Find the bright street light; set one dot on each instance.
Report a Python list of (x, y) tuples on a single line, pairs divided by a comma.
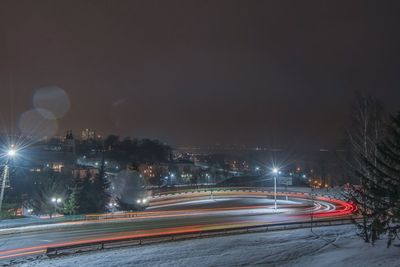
[(11, 152), (55, 201), (275, 171)]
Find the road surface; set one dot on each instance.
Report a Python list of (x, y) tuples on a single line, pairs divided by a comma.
[(177, 214)]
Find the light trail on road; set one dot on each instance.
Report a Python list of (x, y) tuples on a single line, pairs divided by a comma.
[(166, 217)]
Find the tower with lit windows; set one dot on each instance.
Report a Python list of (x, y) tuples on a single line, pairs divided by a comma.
[(69, 142)]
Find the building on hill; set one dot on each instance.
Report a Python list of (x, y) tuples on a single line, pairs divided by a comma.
[(88, 134), (177, 172), (62, 159)]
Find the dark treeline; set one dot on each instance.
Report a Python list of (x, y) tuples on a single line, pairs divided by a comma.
[(128, 150), (90, 194), (39, 190)]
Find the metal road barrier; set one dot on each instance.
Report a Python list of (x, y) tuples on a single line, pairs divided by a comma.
[(165, 237)]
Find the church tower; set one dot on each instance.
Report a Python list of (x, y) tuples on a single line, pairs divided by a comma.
[(69, 143)]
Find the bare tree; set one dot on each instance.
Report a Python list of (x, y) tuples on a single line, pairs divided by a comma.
[(364, 136)]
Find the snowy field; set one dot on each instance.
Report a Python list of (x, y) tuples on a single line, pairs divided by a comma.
[(328, 246)]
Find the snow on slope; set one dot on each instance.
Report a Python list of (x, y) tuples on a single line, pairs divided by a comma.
[(329, 246)]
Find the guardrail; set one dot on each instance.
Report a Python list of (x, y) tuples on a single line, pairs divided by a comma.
[(331, 193), (132, 241)]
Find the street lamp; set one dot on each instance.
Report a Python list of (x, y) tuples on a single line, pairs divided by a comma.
[(56, 201), (11, 153), (275, 171)]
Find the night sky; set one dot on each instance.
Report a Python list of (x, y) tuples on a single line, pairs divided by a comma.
[(199, 72)]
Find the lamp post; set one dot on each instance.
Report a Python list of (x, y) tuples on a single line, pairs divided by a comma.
[(56, 201), (210, 185), (286, 186), (11, 153), (275, 171)]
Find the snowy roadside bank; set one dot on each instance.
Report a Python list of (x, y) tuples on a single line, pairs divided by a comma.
[(327, 246)]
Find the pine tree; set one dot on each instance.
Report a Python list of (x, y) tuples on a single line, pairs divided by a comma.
[(86, 201), (364, 136), (384, 191), (71, 206), (100, 188)]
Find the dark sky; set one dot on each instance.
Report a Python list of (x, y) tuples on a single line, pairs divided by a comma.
[(201, 72)]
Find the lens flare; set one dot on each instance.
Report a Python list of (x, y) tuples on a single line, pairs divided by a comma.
[(52, 99)]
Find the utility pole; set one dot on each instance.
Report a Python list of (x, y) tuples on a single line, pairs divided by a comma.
[(11, 153), (4, 179), (275, 172)]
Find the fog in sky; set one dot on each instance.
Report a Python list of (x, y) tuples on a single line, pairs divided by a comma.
[(196, 72)]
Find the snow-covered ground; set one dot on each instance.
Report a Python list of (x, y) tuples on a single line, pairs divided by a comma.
[(328, 246)]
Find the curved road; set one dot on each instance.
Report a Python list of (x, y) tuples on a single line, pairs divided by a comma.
[(176, 214)]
